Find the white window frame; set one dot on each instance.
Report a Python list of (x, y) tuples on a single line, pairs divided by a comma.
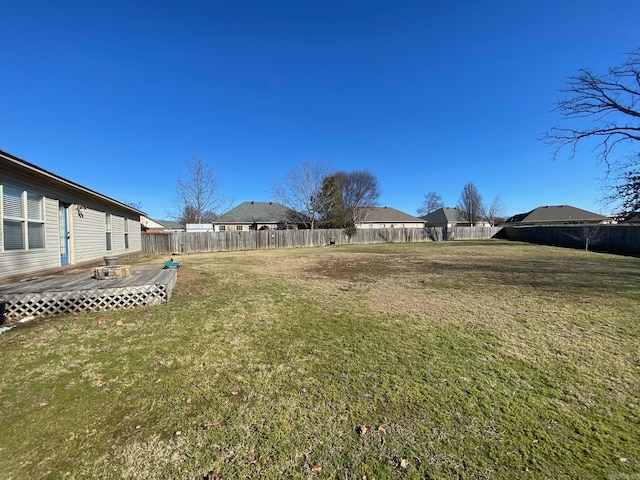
[(108, 224), (126, 233), (28, 217)]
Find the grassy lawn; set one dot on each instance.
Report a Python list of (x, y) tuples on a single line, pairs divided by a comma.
[(438, 360)]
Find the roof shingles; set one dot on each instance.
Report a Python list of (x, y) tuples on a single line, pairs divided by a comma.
[(557, 214), (259, 212), (389, 215)]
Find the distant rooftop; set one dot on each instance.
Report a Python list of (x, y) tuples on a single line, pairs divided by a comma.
[(259, 212), (389, 215), (444, 215), (556, 214), (170, 224)]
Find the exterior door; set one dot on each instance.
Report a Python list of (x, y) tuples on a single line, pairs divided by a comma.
[(64, 234)]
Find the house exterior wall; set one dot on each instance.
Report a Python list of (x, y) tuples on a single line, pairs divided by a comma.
[(18, 262), (245, 227), (390, 225), (86, 226), (89, 236), (135, 236)]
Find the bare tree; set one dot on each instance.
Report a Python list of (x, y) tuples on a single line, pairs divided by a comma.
[(432, 202), (612, 102), (301, 190), (360, 190), (589, 235), (625, 194), (136, 205), (494, 211), (198, 196), (470, 204), (189, 214)]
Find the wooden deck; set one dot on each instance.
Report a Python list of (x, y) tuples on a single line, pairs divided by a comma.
[(62, 294)]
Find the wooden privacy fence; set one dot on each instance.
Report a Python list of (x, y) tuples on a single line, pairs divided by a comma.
[(622, 238), (197, 242)]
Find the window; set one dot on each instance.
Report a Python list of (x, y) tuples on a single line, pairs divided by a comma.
[(22, 219), (126, 233), (222, 228), (239, 227), (107, 228)]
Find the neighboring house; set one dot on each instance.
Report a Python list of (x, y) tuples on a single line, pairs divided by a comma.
[(257, 216), (557, 215), (150, 226), (160, 226), (200, 227), (50, 222), (447, 217), (634, 218), (387, 217), (170, 226)]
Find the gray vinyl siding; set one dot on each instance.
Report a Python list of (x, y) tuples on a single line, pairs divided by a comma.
[(89, 236), (31, 261), (86, 214), (117, 234), (135, 236)]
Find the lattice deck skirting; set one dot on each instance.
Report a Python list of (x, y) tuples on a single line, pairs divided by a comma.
[(62, 295)]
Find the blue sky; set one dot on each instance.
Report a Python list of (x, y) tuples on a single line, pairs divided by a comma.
[(427, 95)]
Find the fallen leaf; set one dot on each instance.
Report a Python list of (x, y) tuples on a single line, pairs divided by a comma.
[(43, 404), (382, 429), (404, 463), (213, 475), (315, 468), (97, 383), (119, 323), (362, 430), (188, 401)]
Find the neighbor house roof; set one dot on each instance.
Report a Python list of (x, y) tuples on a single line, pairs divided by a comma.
[(150, 223), (30, 171), (556, 214), (259, 212), (170, 224), (444, 216), (389, 215)]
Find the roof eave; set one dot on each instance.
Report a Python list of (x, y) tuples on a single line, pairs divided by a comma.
[(52, 177)]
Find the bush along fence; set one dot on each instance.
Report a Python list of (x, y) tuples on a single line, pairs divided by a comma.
[(198, 242)]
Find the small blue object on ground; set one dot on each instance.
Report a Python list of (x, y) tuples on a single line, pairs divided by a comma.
[(171, 264)]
